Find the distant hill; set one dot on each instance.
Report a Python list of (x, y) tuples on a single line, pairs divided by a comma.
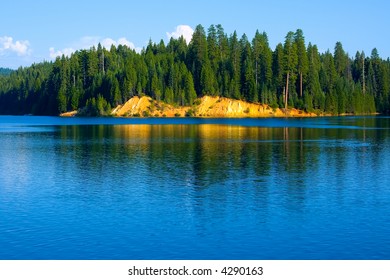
[(5, 71)]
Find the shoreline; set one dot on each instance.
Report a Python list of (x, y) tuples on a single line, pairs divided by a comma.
[(205, 107)]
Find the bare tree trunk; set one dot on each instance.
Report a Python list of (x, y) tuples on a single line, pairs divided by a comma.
[(301, 84), (364, 81), (103, 62), (83, 75), (286, 101)]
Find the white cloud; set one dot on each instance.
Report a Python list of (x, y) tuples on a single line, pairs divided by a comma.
[(90, 41), (125, 42), (21, 48), (182, 30), (107, 43), (87, 42), (66, 52)]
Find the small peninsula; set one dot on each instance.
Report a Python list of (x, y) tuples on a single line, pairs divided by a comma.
[(207, 106)]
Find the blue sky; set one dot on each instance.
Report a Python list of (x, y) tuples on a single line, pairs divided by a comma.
[(33, 31)]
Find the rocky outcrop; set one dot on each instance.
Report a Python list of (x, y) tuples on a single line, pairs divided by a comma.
[(207, 106)]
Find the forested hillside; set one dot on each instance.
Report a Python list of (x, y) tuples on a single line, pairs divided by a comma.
[(213, 63)]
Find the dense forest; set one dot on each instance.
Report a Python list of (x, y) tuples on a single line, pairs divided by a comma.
[(294, 74)]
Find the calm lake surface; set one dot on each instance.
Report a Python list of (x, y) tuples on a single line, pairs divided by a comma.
[(108, 188)]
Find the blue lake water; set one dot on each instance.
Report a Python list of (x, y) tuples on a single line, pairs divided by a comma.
[(187, 188)]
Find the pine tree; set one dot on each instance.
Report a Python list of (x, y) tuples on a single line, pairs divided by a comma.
[(189, 89), (328, 72), (223, 75), (198, 56), (247, 71), (262, 57), (207, 79), (92, 64), (290, 62), (317, 98), (278, 71), (303, 65), (61, 98), (235, 55)]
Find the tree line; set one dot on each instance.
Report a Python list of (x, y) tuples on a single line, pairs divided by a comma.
[(294, 74)]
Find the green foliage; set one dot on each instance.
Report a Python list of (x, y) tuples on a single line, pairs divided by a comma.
[(189, 88), (303, 62), (168, 96), (190, 113), (96, 107), (213, 63)]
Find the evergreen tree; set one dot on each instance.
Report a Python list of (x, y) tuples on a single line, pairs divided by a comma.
[(207, 79), (92, 64), (315, 98), (223, 75), (290, 62), (278, 70), (303, 64), (262, 56), (189, 89), (235, 55), (198, 56), (341, 60), (247, 80), (61, 98), (328, 73)]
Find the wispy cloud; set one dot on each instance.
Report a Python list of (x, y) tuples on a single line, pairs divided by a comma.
[(55, 53), (182, 30), (87, 42), (8, 45)]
